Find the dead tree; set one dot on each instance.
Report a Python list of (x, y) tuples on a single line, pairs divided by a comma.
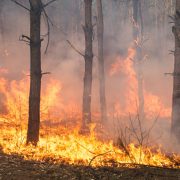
[(138, 35), (100, 34), (35, 72), (36, 9), (176, 81), (88, 57)]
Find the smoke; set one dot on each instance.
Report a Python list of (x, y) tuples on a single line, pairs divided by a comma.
[(67, 66)]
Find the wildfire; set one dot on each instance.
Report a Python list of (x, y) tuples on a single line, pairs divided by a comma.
[(152, 103), (62, 145), (15, 101)]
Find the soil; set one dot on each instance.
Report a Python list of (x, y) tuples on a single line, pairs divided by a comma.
[(14, 167)]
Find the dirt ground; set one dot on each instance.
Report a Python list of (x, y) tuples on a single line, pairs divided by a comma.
[(13, 167)]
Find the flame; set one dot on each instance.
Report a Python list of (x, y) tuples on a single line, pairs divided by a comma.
[(15, 101), (152, 104), (62, 145), (15, 95)]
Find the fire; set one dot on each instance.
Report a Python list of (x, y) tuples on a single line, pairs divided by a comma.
[(61, 143), (15, 100), (16, 92), (153, 104), (66, 146)]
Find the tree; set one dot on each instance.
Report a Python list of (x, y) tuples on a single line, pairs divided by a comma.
[(138, 35), (35, 72), (36, 9), (88, 57), (100, 34), (176, 79)]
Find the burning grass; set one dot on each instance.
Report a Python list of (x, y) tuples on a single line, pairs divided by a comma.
[(62, 145)]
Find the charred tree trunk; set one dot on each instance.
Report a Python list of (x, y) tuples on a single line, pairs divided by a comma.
[(100, 35), (88, 31), (35, 74), (137, 35), (176, 86)]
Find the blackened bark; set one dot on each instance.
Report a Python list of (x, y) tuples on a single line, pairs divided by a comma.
[(176, 81), (35, 72), (100, 35), (137, 35), (88, 31)]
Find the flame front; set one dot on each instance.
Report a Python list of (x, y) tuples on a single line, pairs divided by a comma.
[(64, 146), (61, 143), (152, 104)]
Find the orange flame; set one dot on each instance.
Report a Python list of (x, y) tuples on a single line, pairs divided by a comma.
[(62, 144), (70, 147), (152, 105)]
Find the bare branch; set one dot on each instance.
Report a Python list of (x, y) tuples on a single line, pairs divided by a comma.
[(173, 74), (47, 4), (19, 4), (150, 129), (45, 73), (48, 21), (171, 52), (98, 156), (75, 48), (25, 39)]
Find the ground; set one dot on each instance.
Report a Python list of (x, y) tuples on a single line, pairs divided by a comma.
[(14, 167)]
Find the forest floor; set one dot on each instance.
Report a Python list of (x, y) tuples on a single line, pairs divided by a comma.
[(14, 167)]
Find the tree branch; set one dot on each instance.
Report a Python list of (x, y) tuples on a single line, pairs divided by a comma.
[(47, 4), (45, 73), (25, 39), (19, 4), (48, 21), (75, 48), (98, 156)]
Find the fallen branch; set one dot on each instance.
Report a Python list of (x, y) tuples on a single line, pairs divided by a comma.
[(141, 165), (98, 156)]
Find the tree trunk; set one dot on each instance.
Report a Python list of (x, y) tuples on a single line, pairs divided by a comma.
[(176, 86), (35, 72), (137, 35), (88, 31), (100, 34)]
